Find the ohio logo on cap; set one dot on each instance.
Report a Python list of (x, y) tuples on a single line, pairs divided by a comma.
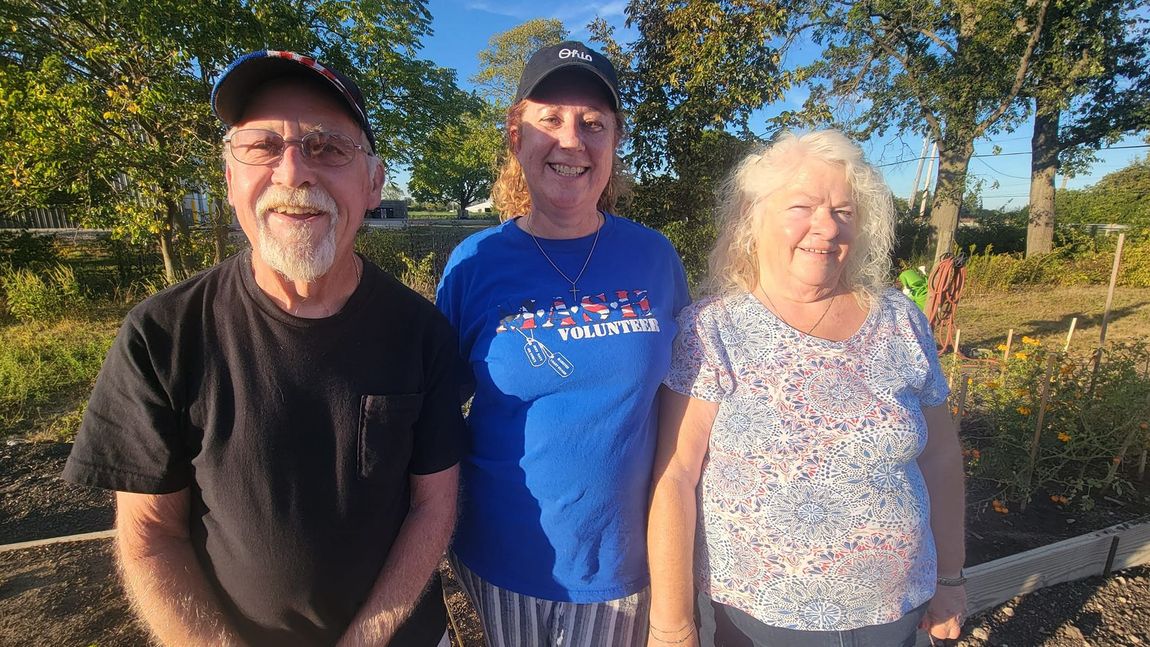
[(564, 56)]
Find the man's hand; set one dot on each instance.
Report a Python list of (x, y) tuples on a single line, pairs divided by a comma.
[(421, 542)]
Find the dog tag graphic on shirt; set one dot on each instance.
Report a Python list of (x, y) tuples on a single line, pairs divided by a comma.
[(561, 364), (536, 353)]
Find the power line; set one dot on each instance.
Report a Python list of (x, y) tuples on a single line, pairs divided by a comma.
[(915, 159)]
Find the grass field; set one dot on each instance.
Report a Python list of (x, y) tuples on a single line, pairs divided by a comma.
[(1045, 312), (47, 369)]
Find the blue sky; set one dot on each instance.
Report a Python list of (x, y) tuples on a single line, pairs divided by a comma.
[(463, 27)]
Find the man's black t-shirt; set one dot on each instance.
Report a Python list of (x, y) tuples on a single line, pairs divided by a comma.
[(297, 438)]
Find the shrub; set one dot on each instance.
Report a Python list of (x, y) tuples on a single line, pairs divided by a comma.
[(420, 275), (49, 367), (32, 296), (1093, 422), (23, 250)]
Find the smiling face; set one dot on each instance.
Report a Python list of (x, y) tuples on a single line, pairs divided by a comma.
[(804, 229), (300, 217), (565, 142)]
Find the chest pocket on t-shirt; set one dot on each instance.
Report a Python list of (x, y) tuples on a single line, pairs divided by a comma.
[(386, 426)]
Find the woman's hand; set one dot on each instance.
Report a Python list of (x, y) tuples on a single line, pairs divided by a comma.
[(946, 612)]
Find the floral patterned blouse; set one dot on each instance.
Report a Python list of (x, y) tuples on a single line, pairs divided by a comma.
[(813, 511)]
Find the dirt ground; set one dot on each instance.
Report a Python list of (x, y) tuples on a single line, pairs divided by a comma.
[(68, 594)]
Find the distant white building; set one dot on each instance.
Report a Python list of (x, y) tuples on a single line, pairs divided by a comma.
[(480, 207)]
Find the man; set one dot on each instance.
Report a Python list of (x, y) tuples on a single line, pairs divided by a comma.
[(283, 430)]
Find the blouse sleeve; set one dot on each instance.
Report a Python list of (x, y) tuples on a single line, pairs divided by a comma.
[(700, 367), (934, 389)]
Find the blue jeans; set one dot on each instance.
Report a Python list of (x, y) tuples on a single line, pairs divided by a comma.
[(725, 626)]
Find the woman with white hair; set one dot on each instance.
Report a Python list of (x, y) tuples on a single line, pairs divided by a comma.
[(806, 403)]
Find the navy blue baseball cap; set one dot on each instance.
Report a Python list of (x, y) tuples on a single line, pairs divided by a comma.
[(568, 55), (234, 88)]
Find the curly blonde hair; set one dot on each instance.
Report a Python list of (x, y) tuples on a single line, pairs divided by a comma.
[(510, 195), (733, 265)]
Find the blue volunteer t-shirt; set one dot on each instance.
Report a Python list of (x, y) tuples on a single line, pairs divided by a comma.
[(563, 423)]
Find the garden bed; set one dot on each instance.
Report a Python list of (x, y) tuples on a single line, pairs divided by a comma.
[(64, 594)]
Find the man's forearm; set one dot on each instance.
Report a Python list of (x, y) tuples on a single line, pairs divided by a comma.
[(414, 556), (164, 580)]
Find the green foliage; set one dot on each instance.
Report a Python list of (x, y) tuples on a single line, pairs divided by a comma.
[(693, 239), (104, 106), (420, 274), (901, 62), (44, 364), (384, 248), (1076, 263), (41, 296), (457, 161), (502, 63), (1093, 421), (21, 249), (1121, 197)]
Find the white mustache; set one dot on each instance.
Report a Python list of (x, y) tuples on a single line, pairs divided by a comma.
[(305, 198)]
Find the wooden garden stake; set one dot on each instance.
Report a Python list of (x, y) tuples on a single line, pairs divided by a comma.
[(1110, 290), (954, 357), (1006, 355), (1050, 361), (1106, 313), (1070, 335), (962, 389), (1142, 466)]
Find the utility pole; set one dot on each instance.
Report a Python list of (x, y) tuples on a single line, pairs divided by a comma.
[(926, 186), (917, 175)]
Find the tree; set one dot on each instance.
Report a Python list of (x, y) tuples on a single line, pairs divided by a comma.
[(691, 81), (1090, 83), (953, 69), (457, 163), (502, 63), (108, 107)]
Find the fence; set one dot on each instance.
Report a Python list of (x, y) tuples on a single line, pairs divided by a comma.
[(39, 218)]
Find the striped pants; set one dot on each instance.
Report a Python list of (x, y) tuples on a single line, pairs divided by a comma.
[(514, 620)]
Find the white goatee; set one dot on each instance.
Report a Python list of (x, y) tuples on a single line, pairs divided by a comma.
[(295, 253)]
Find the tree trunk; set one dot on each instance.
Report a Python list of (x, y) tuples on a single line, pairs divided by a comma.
[(464, 200), (166, 254), (953, 160), (177, 230), (1043, 169)]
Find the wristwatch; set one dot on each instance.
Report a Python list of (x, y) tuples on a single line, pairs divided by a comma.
[(953, 581)]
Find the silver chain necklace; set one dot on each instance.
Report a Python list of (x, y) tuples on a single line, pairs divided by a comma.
[(780, 314), (574, 289)]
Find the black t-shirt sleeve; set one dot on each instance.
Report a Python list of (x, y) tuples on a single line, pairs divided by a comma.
[(130, 439), (440, 434)]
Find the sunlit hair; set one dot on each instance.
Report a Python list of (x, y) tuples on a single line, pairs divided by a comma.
[(734, 266), (510, 195)]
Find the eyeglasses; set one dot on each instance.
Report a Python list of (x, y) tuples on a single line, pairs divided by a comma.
[(260, 147)]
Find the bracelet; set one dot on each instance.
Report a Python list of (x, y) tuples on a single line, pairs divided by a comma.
[(953, 581), (673, 642), (669, 631)]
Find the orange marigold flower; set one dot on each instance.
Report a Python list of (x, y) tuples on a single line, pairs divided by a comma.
[(1020, 355), (1063, 436), (1066, 369), (991, 384), (1030, 341), (1001, 347), (1024, 410), (976, 454)]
